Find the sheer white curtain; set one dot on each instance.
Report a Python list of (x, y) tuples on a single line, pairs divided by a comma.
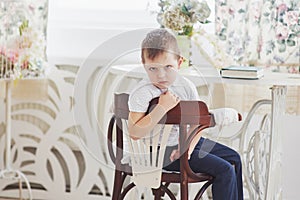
[(77, 27)]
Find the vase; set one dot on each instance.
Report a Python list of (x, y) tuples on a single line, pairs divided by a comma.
[(184, 44)]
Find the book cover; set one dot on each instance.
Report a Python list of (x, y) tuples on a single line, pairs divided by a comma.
[(243, 72)]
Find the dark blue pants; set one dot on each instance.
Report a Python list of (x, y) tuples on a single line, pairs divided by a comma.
[(219, 161)]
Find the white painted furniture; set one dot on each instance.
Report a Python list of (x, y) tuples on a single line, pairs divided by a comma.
[(50, 148), (22, 89)]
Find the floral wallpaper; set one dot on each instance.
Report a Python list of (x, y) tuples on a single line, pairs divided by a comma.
[(263, 32), (23, 36)]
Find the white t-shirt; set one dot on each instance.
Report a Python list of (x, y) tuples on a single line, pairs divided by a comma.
[(145, 91)]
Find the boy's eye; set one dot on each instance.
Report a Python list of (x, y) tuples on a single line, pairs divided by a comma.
[(168, 66), (152, 69)]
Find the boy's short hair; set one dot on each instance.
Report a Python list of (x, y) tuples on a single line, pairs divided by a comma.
[(157, 42)]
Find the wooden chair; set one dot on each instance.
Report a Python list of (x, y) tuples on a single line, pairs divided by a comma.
[(185, 113)]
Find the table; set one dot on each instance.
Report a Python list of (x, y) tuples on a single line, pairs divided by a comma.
[(204, 76), (29, 89)]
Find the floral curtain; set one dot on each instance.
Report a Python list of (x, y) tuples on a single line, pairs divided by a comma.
[(23, 27), (260, 32), (264, 33)]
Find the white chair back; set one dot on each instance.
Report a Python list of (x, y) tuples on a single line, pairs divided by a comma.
[(147, 155)]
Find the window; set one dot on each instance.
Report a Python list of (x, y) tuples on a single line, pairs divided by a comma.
[(77, 27), (102, 14), (104, 4)]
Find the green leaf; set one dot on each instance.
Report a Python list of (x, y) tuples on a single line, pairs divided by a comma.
[(205, 22), (223, 30), (292, 36), (225, 22), (222, 37), (282, 48), (281, 20), (184, 10), (241, 11), (281, 41), (290, 43), (23, 26), (188, 30)]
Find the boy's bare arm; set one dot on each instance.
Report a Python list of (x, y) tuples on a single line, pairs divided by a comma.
[(140, 124)]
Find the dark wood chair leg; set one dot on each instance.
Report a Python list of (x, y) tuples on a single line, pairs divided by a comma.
[(118, 182), (184, 195), (158, 193), (184, 190)]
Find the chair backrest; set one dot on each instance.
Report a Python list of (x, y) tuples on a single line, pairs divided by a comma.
[(147, 154)]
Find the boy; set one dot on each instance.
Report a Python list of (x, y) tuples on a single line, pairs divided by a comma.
[(161, 59)]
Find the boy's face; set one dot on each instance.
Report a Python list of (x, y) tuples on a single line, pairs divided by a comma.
[(162, 70)]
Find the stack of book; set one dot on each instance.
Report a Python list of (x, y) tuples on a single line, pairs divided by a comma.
[(242, 72)]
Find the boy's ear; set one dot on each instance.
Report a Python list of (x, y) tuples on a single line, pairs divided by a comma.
[(180, 60)]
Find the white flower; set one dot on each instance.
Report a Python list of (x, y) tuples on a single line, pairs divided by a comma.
[(181, 16), (26, 51), (174, 19)]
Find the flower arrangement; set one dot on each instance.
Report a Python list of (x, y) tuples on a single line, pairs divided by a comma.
[(22, 39), (181, 16), (23, 53)]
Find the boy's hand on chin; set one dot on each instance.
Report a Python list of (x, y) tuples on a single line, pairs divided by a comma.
[(168, 100)]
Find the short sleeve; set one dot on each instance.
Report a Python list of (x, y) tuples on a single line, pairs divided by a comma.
[(139, 100)]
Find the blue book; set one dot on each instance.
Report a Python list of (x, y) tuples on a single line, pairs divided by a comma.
[(242, 72)]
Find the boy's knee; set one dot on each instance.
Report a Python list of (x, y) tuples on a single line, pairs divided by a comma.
[(228, 170), (227, 174), (238, 160)]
